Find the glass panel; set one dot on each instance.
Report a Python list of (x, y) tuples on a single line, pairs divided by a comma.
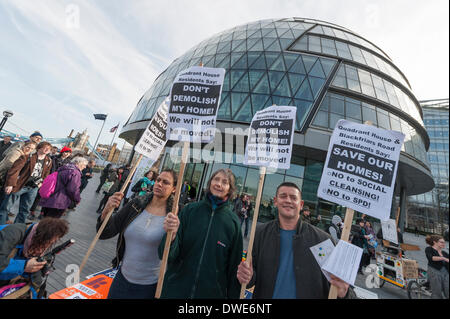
[(334, 118), (262, 86), (245, 114), (317, 70), (301, 45), (283, 88), (274, 78), (304, 92), (259, 101), (271, 183), (321, 119), (337, 105), (316, 85), (270, 58), (255, 76), (327, 65), (296, 80), (383, 121), (296, 170), (236, 101), (353, 109), (242, 85), (369, 115), (308, 61)]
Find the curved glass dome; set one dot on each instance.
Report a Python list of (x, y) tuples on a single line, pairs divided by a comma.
[(325, 70)]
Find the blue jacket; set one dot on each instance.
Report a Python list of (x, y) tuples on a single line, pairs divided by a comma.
[(13, 236)]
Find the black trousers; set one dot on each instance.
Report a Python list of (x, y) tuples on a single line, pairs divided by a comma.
[(52, 212)]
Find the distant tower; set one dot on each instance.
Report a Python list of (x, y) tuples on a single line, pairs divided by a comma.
[(81, 141)]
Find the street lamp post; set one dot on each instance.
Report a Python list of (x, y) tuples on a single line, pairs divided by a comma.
[(6, 114), (103, 118)]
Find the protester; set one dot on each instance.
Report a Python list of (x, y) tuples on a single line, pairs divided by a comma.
[(244, 213), (103, 176), (67, 189), (371, 240), (184, 198), (35, 137), (192, 194), (140, 228), (5, 144), (61, 159), (306, 217), (36, 239), (145, 184), (8, 161), (437, 266), (282, 264), (207, 247), (87, 174), (54, 152), (113, 179), (23, 181), (360, 239), (335, 229)]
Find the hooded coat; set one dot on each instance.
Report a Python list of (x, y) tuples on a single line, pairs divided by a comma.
[(67, 188)]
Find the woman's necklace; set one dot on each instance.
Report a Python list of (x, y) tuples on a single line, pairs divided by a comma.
[(149, 220)]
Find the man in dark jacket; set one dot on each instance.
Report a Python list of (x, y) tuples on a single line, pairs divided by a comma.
[(23, 181), (283, 265), (103, 177), (86, 174)]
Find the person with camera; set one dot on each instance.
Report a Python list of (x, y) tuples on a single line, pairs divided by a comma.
[(23, 181), (20, 247)]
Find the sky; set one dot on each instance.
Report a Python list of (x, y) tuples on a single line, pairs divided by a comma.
[(62, 61)]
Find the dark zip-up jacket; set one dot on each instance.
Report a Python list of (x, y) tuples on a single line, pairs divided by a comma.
[(205, 254), (310, 281), (118, 222)]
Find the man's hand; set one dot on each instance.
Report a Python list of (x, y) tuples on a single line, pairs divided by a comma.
[(244, 272), (8, 190), (112, 203), (33, 265), (342, 286)]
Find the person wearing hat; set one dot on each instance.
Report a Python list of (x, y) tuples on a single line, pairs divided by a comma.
[(61, 159), (36, 137)]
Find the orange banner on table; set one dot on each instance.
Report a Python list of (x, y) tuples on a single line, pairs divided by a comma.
[(94, 288)]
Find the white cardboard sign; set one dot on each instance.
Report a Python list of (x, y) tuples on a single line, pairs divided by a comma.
[(154, 139), (194, 102), (389, 229), (361, 167), (270, 137)]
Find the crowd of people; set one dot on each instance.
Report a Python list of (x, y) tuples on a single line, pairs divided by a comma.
[(206, 236)]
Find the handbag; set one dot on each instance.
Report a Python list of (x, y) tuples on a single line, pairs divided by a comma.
[(107, 186)]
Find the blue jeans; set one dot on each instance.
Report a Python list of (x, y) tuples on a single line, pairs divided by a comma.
[(26, 196), (123, 289), (244, 220)]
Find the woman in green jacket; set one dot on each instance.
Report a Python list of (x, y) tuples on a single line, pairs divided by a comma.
[(207, 248)]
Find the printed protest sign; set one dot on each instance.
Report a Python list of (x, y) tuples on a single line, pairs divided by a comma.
[(96, 287), (321, 253), (389, 229), (194, 101), (361, 167), (270, 137), (154, 139)]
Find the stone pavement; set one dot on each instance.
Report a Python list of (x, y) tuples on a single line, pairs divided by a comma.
[(82, 222)]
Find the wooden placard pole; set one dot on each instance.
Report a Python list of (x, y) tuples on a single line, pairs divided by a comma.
[(344, 236), (262, 175), (162, 269), (105, 221)]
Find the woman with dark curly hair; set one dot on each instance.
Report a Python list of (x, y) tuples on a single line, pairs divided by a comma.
[(34, 241), (437, 266), (140, 227)]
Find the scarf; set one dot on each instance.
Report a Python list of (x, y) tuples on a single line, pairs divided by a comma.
[(216, 201)]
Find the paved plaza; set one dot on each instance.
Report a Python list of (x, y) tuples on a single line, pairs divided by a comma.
[(82, 229)]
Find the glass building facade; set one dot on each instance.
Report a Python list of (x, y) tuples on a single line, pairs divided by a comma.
[(327, 71), (430, 212)]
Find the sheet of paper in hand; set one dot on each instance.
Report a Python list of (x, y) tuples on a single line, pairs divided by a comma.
[(321, 253), (344, 262)]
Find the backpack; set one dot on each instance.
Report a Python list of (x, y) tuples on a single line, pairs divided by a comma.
[(48, 185)]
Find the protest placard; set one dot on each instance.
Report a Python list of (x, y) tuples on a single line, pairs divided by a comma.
[(194, 101), (154, 139), (270, 137), (361, 167), (389, 229)]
